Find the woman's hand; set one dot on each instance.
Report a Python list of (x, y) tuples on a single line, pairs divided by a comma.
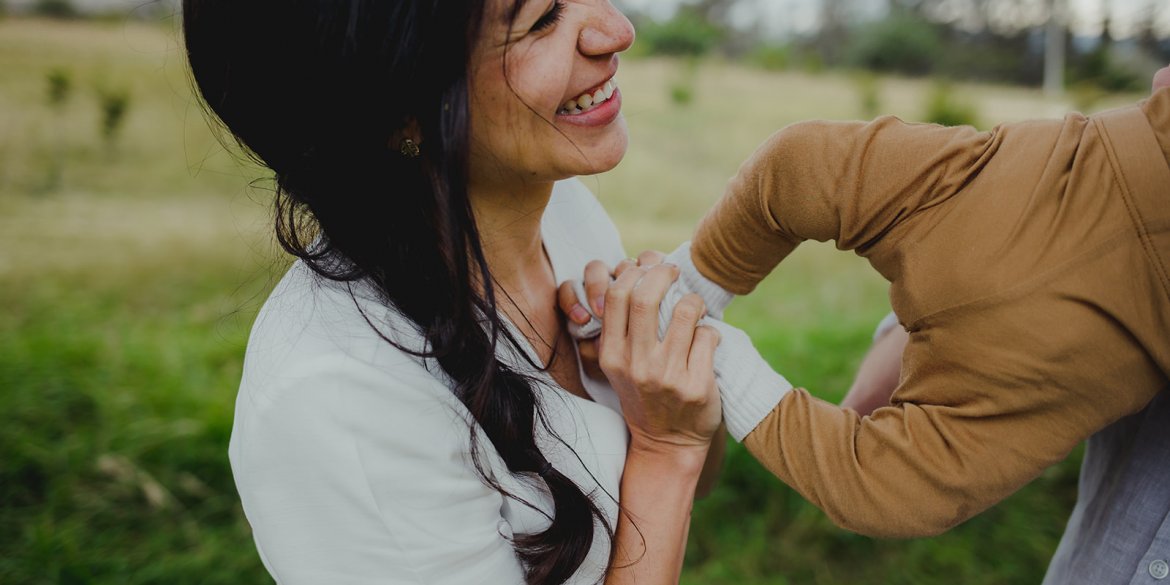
[(672, 408), (598, 277), (667, 387)]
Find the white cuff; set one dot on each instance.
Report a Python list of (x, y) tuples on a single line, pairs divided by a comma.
[(748, 386), (690, 280)]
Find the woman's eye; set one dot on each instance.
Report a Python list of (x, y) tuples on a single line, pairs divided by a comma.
[(549, 18)]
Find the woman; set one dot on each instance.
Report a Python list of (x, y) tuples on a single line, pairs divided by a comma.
[(412, 409)]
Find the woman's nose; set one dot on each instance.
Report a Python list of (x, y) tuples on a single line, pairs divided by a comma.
[(606, 31)]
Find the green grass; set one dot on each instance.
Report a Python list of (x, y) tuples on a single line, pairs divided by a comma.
[(129, 277)]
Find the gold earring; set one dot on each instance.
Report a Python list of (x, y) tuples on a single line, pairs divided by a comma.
[(408, 148)]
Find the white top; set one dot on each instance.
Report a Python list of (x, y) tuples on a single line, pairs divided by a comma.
[(352, 456)]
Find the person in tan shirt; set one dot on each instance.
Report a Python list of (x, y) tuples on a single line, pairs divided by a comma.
[(1030, 265)]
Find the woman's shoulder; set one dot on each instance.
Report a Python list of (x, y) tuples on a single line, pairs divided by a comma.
[(351, 457), (312, 329)]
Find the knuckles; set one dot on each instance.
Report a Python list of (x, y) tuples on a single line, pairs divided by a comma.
[(690, 308)]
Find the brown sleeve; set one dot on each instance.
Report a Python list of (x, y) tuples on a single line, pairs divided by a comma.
[(984, 408), (1013, 264), (846, 181)]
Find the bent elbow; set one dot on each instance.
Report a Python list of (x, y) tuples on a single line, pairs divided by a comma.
[(796, 173), (909, 518)]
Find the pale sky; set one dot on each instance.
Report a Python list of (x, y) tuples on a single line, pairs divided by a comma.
[(787, 16)]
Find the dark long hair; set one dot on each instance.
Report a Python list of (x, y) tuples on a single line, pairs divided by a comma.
[(315, 90)]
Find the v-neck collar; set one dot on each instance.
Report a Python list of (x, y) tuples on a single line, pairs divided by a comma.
[(566, 263)]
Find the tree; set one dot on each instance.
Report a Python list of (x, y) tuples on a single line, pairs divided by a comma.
[(831, 38), (1054, 47)]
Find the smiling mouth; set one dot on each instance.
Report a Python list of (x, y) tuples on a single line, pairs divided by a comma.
[(589, 100)]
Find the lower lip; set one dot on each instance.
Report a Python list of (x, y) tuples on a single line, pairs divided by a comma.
[(599, 116)]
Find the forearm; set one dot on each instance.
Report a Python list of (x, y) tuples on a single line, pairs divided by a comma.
[(656, 497), (893, 475), (713, 465), (877, 376)]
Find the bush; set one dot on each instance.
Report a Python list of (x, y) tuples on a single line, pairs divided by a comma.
[(944, 109), (55, 8), (1101, 68), (1085, 95), (991, 58), (772, 57), (685, 35), (114, 104), (60, 86), (898, 44), (682, 86)]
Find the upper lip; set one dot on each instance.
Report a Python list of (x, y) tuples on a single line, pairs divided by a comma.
[(613, 67)]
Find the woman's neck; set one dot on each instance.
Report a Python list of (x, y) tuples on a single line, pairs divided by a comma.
[(509, 229), (509, 222)]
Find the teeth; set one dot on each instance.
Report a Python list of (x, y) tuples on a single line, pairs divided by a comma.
[(587, 101)]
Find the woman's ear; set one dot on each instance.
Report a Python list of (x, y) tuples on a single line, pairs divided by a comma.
[(408, 139)]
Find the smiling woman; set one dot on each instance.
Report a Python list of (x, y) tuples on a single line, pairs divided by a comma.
[(412, 409)]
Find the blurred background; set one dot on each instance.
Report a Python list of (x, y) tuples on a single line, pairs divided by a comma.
[(136, 247)]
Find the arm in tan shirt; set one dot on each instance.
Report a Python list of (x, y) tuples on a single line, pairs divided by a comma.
[(980, 234)]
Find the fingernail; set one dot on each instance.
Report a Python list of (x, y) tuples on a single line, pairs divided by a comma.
[(599, 304), (579, 314)]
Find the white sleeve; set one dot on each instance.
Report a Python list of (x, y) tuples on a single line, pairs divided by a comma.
[(351, 476)]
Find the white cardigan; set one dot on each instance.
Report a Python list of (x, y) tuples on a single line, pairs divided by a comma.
[(351, 456)]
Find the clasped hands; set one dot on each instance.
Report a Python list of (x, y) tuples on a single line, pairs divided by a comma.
[(664, 375)]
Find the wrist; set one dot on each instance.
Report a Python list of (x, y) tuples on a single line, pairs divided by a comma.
[(687, 460)]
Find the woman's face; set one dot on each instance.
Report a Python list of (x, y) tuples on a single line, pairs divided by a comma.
[(530, 118)]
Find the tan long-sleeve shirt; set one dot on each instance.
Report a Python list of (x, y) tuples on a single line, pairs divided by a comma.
[(1030, 265)]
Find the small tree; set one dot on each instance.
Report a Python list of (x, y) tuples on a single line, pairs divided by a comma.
[(899, 44), (60, 86), (114, 103), (943, 108), (685, 35), (58, 90)]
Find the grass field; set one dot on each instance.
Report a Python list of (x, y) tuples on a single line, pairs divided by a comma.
[(130, 272)]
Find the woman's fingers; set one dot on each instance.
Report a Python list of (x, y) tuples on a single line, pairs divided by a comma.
[(681, 332), (597, 281), (651, 258), (570, 305), (701, 361), (623, 266), (617, 302), (644, 302)]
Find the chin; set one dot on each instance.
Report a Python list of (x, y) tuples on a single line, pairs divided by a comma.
[(602, 156)]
